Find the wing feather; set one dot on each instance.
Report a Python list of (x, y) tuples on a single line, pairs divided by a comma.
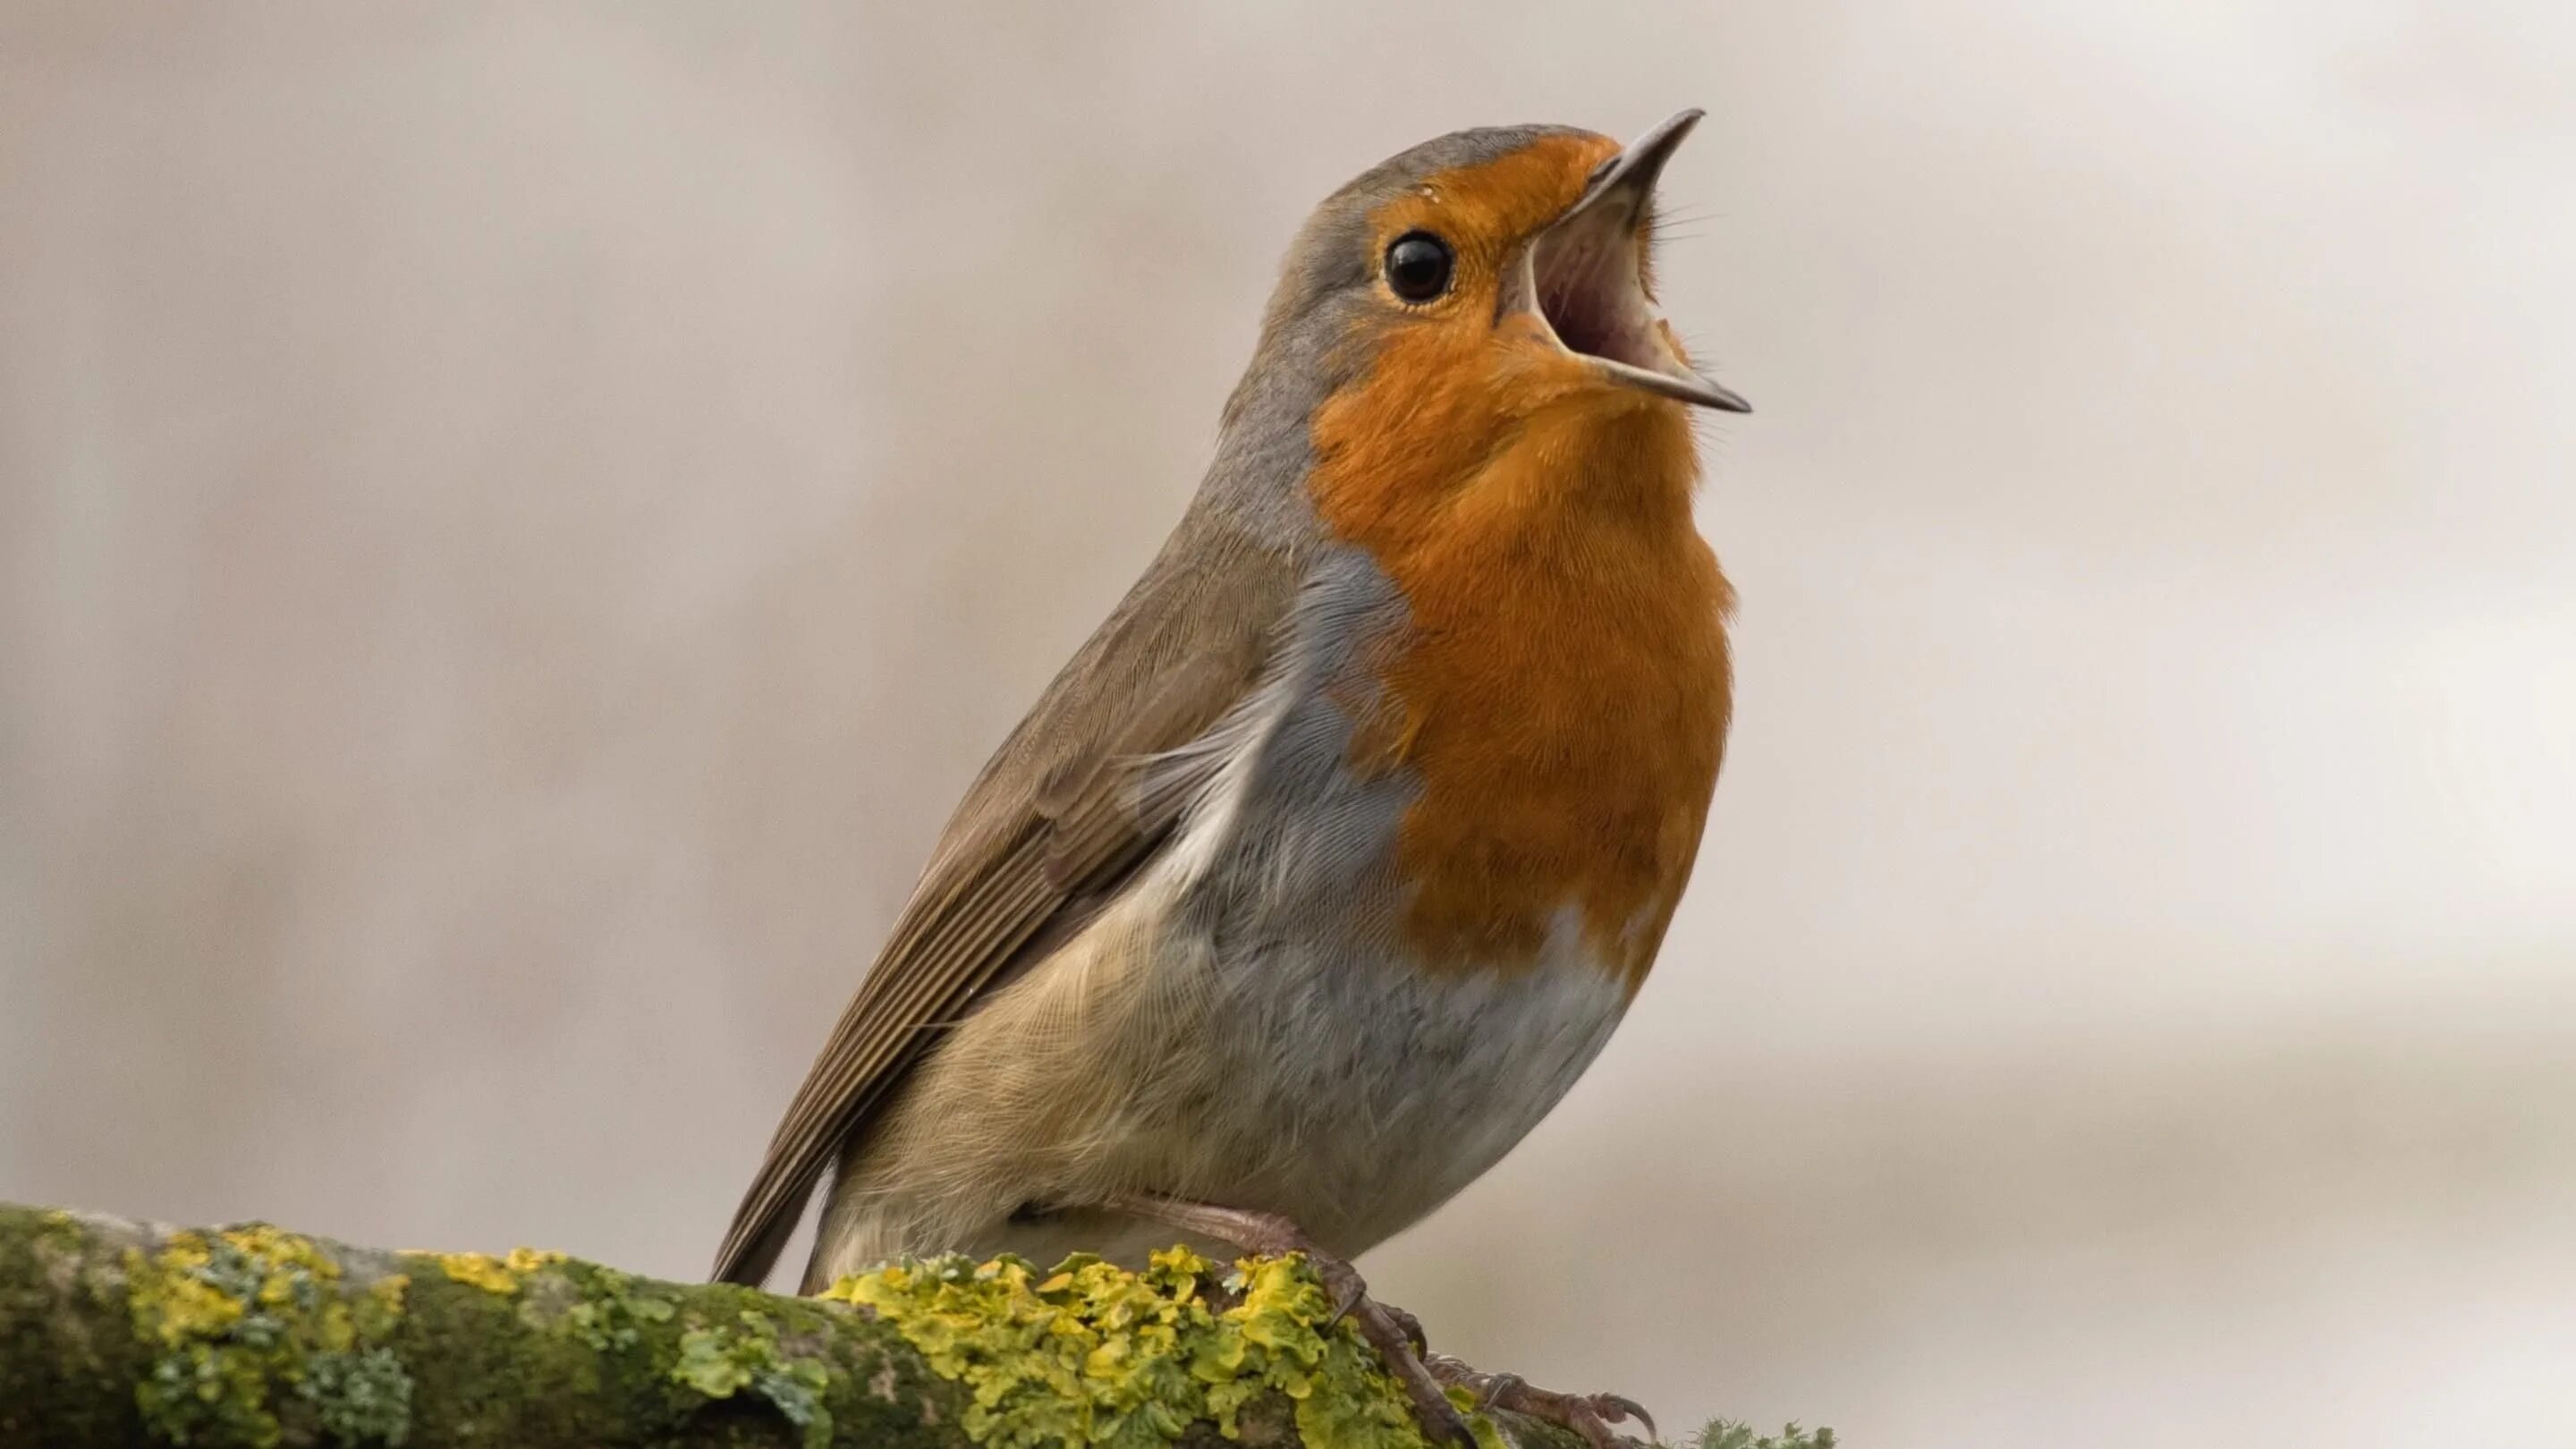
[(1080, 799)]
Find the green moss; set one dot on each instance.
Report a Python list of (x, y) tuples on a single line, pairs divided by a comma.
[(231, 1317), (575, 1353), (1728, 1434), (614, 1313), (722, 1362), (60, 1232), (359, 1396), (1089, 1354)]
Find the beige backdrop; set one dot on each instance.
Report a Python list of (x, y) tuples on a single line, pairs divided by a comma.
[(516, 522)]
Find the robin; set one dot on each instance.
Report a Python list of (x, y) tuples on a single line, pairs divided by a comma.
[(1334, 857)]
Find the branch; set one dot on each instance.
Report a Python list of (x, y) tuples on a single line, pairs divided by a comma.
[(120, 1333)]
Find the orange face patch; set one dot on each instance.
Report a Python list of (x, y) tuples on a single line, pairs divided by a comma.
[(1563, 690), (1485, 212)]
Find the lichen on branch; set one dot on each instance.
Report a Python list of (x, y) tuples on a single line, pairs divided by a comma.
[(117, 1333), (1091, 1354)]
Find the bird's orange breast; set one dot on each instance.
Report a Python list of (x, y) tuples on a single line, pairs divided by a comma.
[(1562, 690)]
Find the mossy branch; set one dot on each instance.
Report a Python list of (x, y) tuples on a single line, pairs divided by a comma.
[(118, 1333)]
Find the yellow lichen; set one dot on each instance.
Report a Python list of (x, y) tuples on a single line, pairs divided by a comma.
[(478, 1270), (493, 1275), (240, 1316), (1090, 1354), (529, 1260), (188, 1306)]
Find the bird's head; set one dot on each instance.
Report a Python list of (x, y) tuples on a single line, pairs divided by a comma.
[(1483, 288)]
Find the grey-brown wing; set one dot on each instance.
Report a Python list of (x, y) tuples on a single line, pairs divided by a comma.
[(1063, 818)]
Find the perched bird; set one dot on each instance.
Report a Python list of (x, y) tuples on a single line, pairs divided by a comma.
[(1322, 871)]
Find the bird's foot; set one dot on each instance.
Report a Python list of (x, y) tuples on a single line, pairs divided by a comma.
[(1589, 1415), (1394, 1333)]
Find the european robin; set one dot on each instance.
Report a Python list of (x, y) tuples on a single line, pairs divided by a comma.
[(1335, 855)]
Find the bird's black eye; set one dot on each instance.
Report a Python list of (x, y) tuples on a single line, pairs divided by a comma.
[(1417, 266)]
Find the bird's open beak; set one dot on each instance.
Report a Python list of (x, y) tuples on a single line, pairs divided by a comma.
[(1584, 276)]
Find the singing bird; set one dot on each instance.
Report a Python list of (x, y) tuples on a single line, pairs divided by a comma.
[(1333, 858)]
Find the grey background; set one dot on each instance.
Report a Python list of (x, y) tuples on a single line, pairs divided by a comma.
[(516, 522)]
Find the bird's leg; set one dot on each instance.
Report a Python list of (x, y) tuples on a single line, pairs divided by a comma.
[(1395, 1334), (1589, 1415)]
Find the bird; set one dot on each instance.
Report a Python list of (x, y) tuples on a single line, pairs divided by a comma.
[(1332, 859)]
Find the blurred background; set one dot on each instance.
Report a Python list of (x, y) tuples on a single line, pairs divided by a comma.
[(517, 522)]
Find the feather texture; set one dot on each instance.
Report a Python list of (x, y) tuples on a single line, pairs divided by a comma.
[(1073, 806)]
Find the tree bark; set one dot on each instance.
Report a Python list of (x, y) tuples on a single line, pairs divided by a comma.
[(117, 1333)]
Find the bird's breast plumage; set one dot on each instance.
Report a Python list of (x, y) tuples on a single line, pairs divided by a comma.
[(1557, 686)]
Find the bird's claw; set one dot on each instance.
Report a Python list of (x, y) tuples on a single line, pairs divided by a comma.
[(1619, 1407), (1589, 1415), (1397, 1337), (1412, 1328)]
